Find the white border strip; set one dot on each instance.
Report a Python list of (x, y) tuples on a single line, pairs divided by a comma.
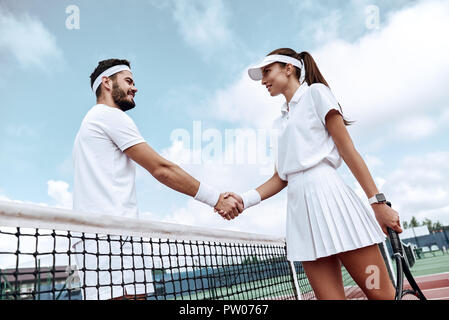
[(295, 280), (13, 214)]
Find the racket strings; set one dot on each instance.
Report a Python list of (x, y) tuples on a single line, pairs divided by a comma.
[(409, 295)]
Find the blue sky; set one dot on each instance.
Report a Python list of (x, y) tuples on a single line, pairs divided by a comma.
[(189, 60)]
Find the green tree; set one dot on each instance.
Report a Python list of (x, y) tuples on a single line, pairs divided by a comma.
[(427, 222), (437, 225), (414, 223)]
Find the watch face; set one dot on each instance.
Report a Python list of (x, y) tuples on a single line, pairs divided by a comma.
[(380, 197)]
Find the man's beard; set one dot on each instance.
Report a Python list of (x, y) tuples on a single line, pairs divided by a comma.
[(120, 98)]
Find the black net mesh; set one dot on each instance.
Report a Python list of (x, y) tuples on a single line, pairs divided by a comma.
[(63, 264)]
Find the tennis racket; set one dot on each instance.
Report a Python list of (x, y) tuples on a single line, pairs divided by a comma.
[(402, 268)]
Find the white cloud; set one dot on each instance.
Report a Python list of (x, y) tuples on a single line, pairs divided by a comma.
[(178, 153), (58, 191), (420, 187), (444, 119), (402, 69), (203, 24), (327, 28), (4, 198), (438, 214), (246, 102), (27, 39), (415, 128)]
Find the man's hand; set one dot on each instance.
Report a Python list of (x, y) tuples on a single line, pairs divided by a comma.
[(229, 207)]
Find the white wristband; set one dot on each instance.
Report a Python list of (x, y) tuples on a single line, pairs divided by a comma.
[(251, 198), (208, 195)]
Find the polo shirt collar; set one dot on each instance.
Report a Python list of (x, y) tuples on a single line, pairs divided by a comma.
[(295, 99)]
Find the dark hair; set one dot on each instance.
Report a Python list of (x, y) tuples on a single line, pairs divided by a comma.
[(313, 74), (102, 66)]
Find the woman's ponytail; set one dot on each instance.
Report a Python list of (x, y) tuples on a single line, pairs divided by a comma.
[(313, 74)]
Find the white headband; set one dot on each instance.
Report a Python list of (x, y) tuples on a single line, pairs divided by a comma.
[(107, 73), (255, 72)]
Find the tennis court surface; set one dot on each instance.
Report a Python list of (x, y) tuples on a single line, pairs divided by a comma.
[(432, 275), (55, 254)]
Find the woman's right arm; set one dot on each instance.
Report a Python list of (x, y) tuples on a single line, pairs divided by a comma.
[(273, 186)]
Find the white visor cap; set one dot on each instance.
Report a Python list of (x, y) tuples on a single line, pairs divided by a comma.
[(255, 72)]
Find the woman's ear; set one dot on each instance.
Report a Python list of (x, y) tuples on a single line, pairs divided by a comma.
[(288, 69)]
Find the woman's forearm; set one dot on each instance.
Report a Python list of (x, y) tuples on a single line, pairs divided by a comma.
[(273, 186)]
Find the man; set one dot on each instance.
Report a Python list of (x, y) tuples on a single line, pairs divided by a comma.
[(105, 147)]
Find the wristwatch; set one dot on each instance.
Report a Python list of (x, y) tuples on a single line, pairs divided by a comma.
[(377, 198)]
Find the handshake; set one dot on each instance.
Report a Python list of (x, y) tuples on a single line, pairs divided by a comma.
[(229, 205)]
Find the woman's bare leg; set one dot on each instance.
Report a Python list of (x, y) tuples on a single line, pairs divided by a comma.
[(367, 267), (325, 278)]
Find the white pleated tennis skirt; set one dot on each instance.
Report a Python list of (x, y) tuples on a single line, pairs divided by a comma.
[(325, 216)]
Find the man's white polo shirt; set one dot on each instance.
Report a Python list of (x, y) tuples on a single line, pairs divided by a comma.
[(104, 176)]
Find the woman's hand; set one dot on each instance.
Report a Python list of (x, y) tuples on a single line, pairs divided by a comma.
[(387, 217)]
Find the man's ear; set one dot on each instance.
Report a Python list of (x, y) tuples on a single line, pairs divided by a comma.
[(107, 83)]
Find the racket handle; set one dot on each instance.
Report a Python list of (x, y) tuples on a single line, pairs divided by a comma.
[(394, 238), (395, 241)]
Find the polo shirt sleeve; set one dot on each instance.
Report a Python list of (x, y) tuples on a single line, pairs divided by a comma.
[(121, 129), (324, 101)]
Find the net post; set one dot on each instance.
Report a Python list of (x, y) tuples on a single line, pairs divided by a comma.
[(295, 280)]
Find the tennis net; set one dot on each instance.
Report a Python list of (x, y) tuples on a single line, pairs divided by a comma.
[(56, 254)]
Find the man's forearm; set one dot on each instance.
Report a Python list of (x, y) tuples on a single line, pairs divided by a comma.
[(163, 170), (177, 179)]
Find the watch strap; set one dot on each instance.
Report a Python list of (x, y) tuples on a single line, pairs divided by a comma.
[(377, 198)]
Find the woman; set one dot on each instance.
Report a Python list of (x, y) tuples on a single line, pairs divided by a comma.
[(327, 223)]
